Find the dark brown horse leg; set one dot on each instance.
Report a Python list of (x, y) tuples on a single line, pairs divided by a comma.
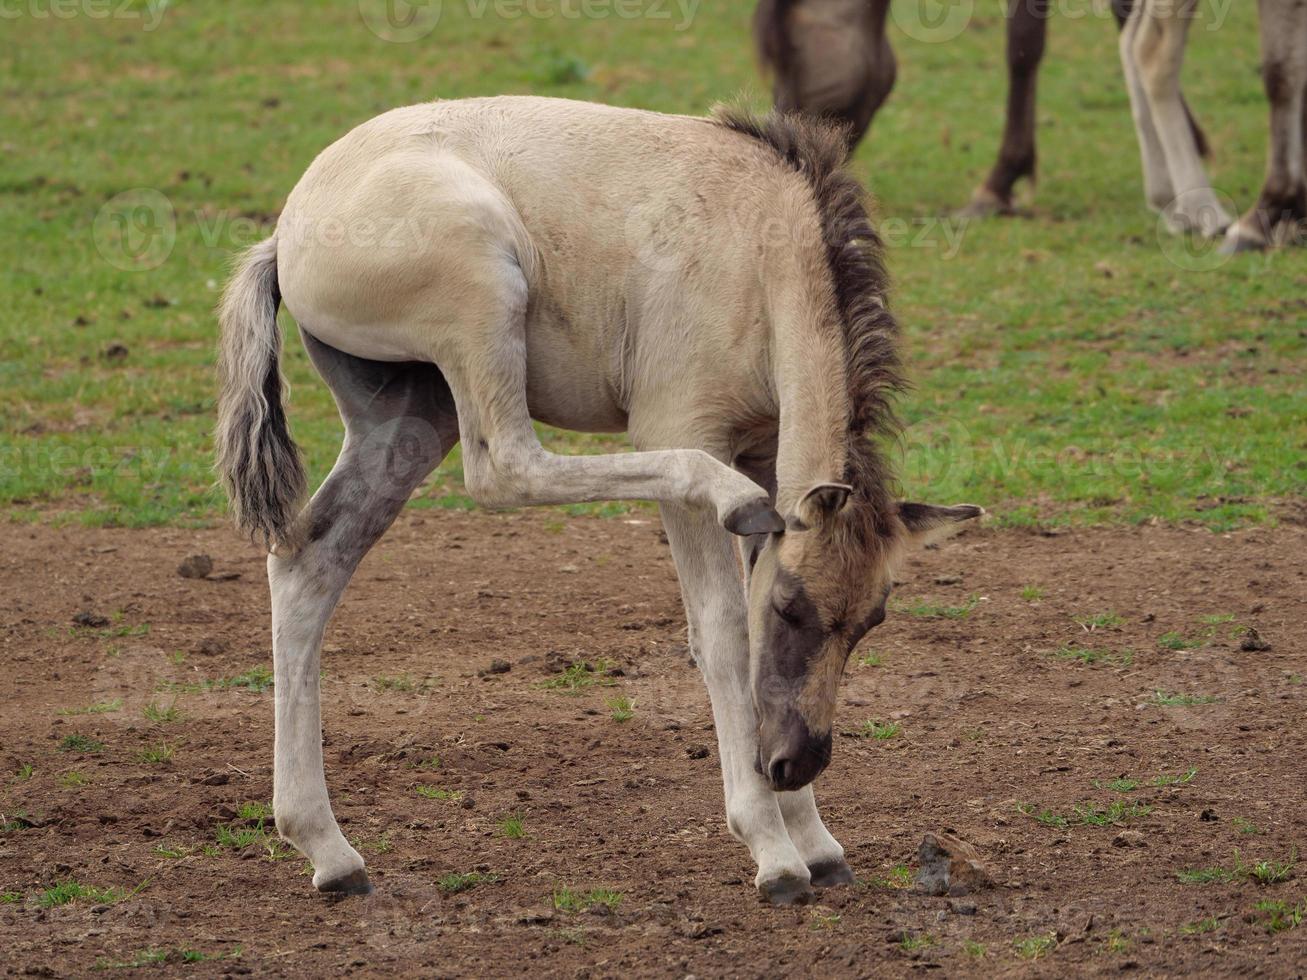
[(1027, 28), (1280, 214)]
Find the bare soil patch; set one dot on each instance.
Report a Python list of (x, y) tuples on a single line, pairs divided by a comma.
[(1078, 707)]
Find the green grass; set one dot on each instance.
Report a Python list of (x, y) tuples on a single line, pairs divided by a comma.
[(156, 755), (576, 677), (911, 944), (1035, 947), (1173, 640), (1053, 395), (898, 877), (872, 658), (456, 881), (160, 715), (1093, 655), (623, 709), (24, 772), (70, 890), (1264, 871), (1032, 593), (1087, 814), (1102, 620), (1200, 927), (100, 708), (80, 743), (881, 732), (1280, 916), (567, 900), (512, 827), (437, 793)]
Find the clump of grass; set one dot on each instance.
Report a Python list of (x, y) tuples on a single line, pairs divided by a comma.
[(878, 731), (80, 743), (1045, 816), (578, 676), (1116, 942), (1210, 924), (438, 793), (432, 763), (70, 890), (11, 898), (1034, 947), (1175, 779), (1098, 621), (72, 780), (871, 659), (1175, 699), (819, 918), (15, 821), (1116, 812), (155, 755), (512, 828), (623, 709), (238, 835), (1269, 872), (101, 708), (930, 610), (898, 877), (910, 943), (257, 679), (1088, 655), (24, 772), (567, 900), (1031, 593), (974, 949), (1280, 916), (456, 881), (1245, 826), (255, 811), (1173, 640), (158, 714), (1264, 871), (1204, 876), (1121, 784)]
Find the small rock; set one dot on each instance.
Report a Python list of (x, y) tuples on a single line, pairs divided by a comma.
[(1252, 642), (90, 619), (211, 647), (215, 779), (697, 751), (195, 566), (1208, 816), (1104, 269), (1129, 838), (499, 667), (950, 866), (115, 352), (948, 579)]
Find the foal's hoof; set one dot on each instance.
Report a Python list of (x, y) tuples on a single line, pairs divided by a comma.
[(354, 883), (786, 890), (756, 517), (828, 874), (1235, 244), (985, 203)]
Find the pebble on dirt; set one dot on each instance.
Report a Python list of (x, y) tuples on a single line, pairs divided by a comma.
[(1253, 642), (90, 620), (950, 866), (195, 566)]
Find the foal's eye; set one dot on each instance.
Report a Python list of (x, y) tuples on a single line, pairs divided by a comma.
[(786, 611)]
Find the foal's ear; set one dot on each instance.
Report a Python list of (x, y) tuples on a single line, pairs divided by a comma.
[(928, 523), (822, 501)]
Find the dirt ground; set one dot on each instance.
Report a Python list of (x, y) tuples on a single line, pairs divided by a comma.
[(998, 738)]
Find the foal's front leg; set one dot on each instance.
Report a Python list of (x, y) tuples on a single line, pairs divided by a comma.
[(716, 607)]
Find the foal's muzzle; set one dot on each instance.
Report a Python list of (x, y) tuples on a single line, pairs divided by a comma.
[(797, 760)]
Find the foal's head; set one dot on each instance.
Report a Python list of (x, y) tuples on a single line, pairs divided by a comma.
[(815, 590)]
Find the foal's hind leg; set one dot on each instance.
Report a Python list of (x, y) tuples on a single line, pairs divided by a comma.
[(1281, 207), (399, 423)]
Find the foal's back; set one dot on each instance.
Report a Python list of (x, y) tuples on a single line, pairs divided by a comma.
[(632, 240)]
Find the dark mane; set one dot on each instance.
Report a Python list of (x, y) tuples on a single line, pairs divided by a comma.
[(855, 257)]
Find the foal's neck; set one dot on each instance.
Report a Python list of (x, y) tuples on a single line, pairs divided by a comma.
[(811, 377)]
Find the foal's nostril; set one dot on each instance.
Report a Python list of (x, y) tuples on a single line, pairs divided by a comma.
[(779, 771)]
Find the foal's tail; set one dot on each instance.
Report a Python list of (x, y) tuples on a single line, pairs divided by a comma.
[(257, 460)]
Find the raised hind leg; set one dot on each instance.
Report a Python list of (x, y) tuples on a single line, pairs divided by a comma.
[(399, 423), (1281, 207)]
